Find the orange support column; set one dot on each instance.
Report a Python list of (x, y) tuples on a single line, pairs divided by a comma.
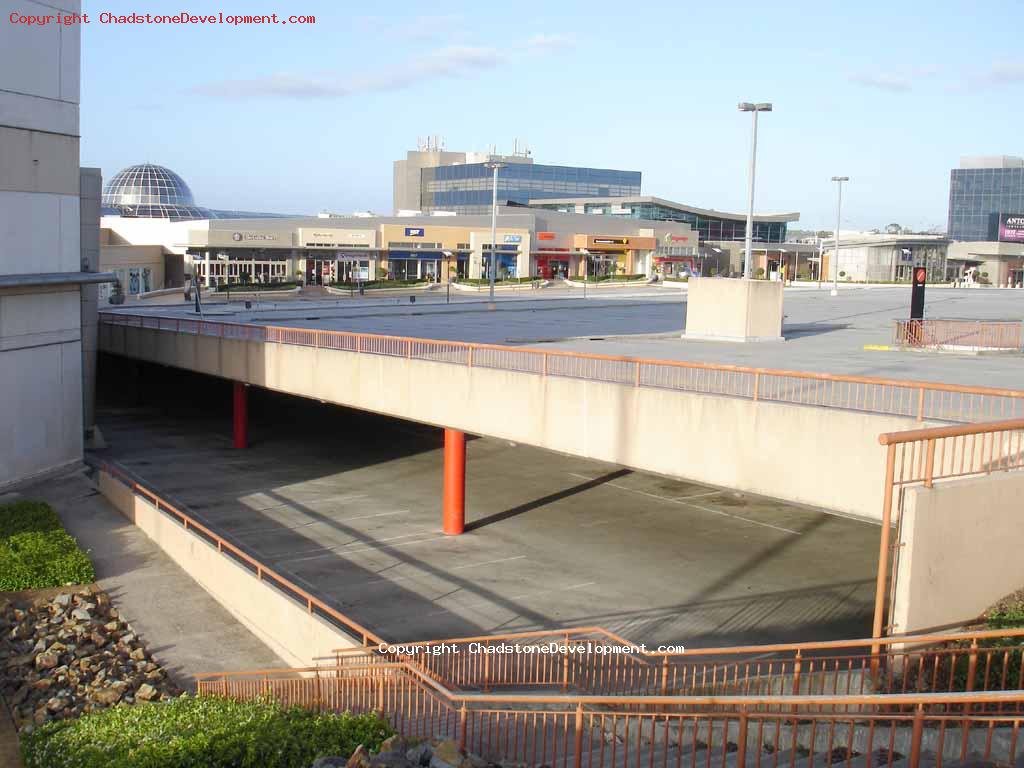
[(241, 412), (454, 482)]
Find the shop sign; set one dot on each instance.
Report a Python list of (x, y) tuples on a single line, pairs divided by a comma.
[(250, 236), (414, 232), (545, 235), (1011, 228), (670, 238), (513, 239), (609, 241)]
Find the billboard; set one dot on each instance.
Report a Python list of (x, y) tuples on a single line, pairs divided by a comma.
[(1011, 228)]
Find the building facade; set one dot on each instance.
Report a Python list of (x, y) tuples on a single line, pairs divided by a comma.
[(43, 265), (350, 250), (708, 223), (432, 179), (986, 219)]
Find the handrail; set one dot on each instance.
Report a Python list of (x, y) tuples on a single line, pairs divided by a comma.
[(262, 571), (892, 699), (771, 648), (937, 433), (282, 334)]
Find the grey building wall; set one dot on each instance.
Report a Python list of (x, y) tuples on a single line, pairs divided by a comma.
[(40, 312), (91, 190)]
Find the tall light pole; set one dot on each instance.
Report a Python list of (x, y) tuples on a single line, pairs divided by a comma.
[(839, 210), (493, 266), (448, 276), (746, 106)]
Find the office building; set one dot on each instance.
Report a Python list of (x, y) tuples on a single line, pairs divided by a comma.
[(434, 180), (48, 249), (986, 218)]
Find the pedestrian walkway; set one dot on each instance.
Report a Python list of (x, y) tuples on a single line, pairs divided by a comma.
[(185, 629)]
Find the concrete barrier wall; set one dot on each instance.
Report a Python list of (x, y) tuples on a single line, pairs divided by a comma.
[(961, 549), (285, 626), (817, 456)]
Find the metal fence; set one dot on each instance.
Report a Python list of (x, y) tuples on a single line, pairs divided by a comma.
[(922, 456), (914, 399), (632, 732), (959, 334)]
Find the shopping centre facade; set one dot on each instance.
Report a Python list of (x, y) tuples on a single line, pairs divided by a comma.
[(319, 251)]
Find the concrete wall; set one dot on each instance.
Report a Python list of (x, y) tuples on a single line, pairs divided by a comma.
[(91, 190), (734, 310), (283, 624), (40, 348), (729, 442), (961, 549)]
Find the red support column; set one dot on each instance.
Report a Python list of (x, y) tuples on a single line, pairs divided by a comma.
[(241, 409), (454, 482)]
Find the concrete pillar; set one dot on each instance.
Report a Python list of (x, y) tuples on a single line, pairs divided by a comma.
[(454, 482), (241, 415)]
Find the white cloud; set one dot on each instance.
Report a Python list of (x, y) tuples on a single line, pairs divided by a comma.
[(449, 62), (884, 81), (1003, 73)]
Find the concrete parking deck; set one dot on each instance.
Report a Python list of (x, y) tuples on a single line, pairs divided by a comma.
[(348, 505), (823, 333)]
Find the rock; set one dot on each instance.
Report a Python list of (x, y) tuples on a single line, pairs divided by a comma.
[(81, 614), (396, 759), (62, 601), (474, 761), (106, 696), (47, 660), (419, 755), (330, 762), (446, 755), (138, 654), (147, 692), (394, 743), (359, 759), (56, 704)]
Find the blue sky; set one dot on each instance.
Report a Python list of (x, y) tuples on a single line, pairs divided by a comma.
[(301, 118)]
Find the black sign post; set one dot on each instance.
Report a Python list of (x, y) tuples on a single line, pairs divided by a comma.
[(917, 294)]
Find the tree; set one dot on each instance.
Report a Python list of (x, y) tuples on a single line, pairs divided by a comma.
[(893, 229)]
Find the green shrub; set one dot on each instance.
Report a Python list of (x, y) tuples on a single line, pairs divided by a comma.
[(36, 551), (206, 731), (254, 287)]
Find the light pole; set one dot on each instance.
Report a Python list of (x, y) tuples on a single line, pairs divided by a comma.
[(448, 275), (493, 267), (746, 106), (839, 210)]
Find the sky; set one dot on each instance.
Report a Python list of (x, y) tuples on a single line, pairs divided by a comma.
[(302, 118)]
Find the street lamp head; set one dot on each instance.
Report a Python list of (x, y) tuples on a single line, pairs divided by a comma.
[(746, 106), (494, 162), (840, 178), (447, 254)]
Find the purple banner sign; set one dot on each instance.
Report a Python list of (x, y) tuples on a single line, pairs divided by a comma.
[(1011, 228)]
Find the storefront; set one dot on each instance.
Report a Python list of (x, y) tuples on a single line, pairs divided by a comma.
[(552, 264), (614, 254), (507, 259), (675, 266)]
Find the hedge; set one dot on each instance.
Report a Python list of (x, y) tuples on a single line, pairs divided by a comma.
[(256, 287), (206, 731), (36, 551)]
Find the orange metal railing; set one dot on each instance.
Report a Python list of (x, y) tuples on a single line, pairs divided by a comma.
[(915, 399), (581, 659), (588, 731), (902, 663), (971, 334), (922, 456)]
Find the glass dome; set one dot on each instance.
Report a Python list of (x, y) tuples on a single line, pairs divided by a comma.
[(151, 191)]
